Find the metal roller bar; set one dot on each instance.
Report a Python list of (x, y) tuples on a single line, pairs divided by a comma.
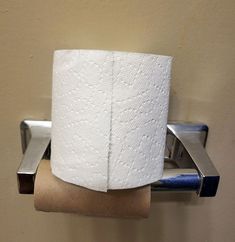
[(178, 180)]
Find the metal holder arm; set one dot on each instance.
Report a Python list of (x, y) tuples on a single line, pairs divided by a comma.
[(189, 151), (187, 165), (35, 138)]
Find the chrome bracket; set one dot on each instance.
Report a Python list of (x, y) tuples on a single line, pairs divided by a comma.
[(187, 166)]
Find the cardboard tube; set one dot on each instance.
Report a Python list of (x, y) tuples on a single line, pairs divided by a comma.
[(54, 195)]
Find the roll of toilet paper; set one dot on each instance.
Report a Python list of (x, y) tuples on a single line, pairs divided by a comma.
[(109, 116)]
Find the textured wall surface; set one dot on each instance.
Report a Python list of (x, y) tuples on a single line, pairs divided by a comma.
[(199, 34)]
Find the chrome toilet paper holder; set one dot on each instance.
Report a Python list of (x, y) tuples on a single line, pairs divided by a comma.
[(187, 166)]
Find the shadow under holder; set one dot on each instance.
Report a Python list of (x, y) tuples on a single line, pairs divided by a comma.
[(187, 166)]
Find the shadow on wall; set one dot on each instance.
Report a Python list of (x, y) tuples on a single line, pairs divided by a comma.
[(181, 206)]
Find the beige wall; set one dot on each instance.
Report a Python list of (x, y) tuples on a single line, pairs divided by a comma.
[(200, 36)]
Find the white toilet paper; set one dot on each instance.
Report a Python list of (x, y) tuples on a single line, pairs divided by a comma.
[(109, 115)]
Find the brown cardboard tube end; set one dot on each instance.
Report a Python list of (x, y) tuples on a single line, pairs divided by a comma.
[(54, 195)]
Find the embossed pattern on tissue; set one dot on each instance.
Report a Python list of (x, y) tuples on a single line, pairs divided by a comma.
[(112, 133)]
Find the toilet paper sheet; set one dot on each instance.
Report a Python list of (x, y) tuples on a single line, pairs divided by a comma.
[(109, 116)]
